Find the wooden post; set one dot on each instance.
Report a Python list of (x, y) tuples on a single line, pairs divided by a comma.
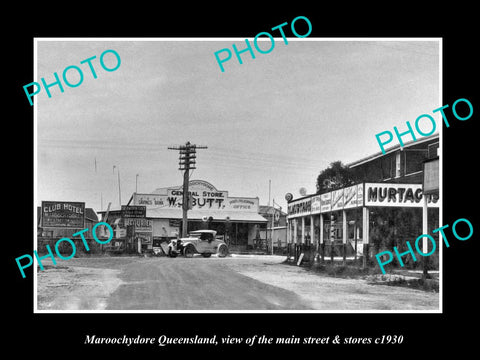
[(312, 231), (289, 237), (302, 240), (332, 237), (185, 203), (365, 222), (425, 231), (355, 234), (322, 242), (314, 237), (295, 226), (344, 237), (303, 229)]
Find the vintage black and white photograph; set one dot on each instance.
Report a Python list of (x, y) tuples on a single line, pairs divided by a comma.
[(265, 174)]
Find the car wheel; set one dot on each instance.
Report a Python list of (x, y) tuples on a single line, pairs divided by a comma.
[(222, 251), (189, 251), (172, 253), (206, 255)]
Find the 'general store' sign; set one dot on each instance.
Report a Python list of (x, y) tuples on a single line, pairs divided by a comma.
[(203, 195)]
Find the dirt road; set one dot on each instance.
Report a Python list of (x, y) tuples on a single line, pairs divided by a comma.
[(232, 283)]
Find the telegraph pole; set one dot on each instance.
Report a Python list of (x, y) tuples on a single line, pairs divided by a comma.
[(186, 163)]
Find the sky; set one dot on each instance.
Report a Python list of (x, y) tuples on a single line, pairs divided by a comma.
[(281, 117)]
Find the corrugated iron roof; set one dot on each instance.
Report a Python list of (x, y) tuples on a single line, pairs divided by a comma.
[(165, 213)]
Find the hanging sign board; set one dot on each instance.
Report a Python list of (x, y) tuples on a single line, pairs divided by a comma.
[(326, 202), (353, 196), (368, 194), (316, 204), (133, 211), (337, 199), (300, 207), (140, 224), (431, 177)]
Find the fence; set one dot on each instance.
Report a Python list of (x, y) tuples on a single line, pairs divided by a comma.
[(325, 251)]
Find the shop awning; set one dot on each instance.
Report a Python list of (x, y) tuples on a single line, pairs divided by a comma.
[(218, 215)]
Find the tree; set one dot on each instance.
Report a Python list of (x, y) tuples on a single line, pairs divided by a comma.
[(335, 177)]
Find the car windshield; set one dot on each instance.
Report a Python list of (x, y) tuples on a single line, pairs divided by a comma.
[(202, 236)]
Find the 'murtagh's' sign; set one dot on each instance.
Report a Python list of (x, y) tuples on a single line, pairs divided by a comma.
[(63, 214), (405, 195), (367, 194)]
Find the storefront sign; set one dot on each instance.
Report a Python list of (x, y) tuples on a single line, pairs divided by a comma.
[(242, 204), (140, 224), (63, 214), (431, 178), (353, 196), (350, 197), (360, 198), (326, 202), (198, 193), (145, 238), (405, 195), (133, 211), (337, 199), (316, 204), (150, 200), (376, 194), (300, 207), (204, 196)]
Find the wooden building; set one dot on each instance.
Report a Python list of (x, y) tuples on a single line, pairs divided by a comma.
[(236, 219), (386, 203)]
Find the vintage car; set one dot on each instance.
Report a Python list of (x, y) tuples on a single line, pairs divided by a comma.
[(202, 242)]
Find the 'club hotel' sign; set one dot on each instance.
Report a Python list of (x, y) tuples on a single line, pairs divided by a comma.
[(63, 214), (367, 194)]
